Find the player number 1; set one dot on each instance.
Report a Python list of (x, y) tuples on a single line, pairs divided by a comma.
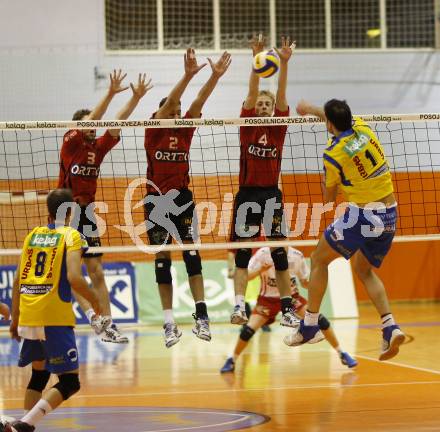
[(370, 157)]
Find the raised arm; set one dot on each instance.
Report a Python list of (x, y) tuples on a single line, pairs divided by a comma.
[(284, 53), (173, 99), (115, 87), (257, 46), (218, 69), (305, 108), (139, 91)]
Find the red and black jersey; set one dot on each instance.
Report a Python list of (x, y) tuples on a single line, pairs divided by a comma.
[(261, 150), (168, 157), (80, 163)]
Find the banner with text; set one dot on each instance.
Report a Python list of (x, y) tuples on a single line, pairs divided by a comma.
[(121, 284)]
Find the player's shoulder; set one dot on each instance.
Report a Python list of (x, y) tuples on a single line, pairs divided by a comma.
[(295, 253), (247, 112), (264, 251), (73, 238), (359, 123), (72, 134)]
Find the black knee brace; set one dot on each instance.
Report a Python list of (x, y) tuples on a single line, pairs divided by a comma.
[(38, 381), (242, 258), (279, 257), (162, 267), (246, 333), (323, 322), (67, 385), (193, 263)]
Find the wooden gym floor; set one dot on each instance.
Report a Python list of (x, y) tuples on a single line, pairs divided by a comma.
[(145, 387)]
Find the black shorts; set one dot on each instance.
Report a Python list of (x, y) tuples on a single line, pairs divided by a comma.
[(86, 225), (250, 206), (170, 216)]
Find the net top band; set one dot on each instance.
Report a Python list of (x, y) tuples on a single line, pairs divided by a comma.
[(203, 122)]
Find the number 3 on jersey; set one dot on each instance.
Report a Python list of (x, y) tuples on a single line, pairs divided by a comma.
[(91, 158)]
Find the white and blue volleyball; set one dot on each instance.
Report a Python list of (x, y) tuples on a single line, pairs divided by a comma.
[(266, 63)]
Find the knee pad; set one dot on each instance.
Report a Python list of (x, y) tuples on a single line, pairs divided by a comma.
[(242, 258), (67, 385), (193, 263), (246, 333), (279, 257), (39, 380), (162, 267), (323, 322)]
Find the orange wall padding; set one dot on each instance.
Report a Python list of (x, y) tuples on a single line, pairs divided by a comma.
[(409, 272)]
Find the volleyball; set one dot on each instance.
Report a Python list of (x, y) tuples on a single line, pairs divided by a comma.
[(266, 63)]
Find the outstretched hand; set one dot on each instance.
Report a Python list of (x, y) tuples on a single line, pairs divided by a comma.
[(257, 44), (4, 311), (222, 64), (287, 49), (116, 79), (13, 330), (142, 87), (190, 62), (303, 108)]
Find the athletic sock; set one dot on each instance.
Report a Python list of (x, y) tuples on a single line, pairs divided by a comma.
[(387, 320), (40, 409), (201, 310), (239, 300), (168, 316), (311, 318), (286, 304), (90, 313)]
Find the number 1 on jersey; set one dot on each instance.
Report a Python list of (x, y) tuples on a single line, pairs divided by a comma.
[(370, 157)]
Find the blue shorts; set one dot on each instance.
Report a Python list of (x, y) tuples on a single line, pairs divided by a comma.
[(59, 350), (371, 231)]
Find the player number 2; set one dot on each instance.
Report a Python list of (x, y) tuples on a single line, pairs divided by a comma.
[(173, 142), (370, 157), (40, 263)]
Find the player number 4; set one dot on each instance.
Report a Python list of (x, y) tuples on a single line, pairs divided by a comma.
[(263, 140)]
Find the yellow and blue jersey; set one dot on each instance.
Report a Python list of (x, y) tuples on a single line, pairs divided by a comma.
[(45, 293), (355, 160)]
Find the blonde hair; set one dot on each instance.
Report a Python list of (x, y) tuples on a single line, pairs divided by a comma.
[(267, 93)]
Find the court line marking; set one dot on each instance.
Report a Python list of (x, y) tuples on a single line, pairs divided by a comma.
[(241, 417), (205, 426), (420, 369), (229, 390)]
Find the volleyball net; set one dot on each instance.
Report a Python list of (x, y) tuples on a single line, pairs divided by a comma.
[(29, 168)]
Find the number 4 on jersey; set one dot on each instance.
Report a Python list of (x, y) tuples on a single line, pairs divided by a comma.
[(263, 140)]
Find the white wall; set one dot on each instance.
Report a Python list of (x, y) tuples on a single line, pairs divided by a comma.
[(49, 49)]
